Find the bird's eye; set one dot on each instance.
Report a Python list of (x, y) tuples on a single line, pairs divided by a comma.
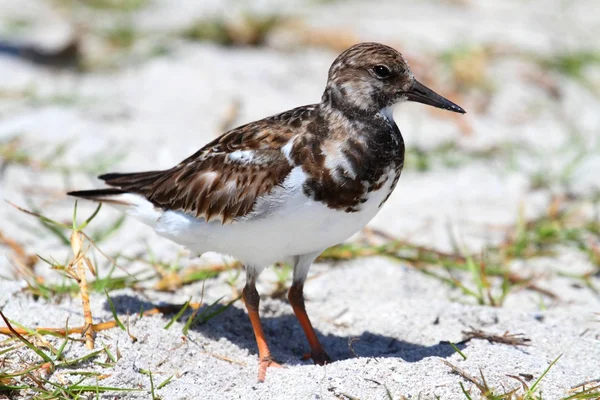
[(382, 72)]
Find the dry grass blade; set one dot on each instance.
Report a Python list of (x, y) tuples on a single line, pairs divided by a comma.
[(533, 287), (592, 392), (24, 258), (350, 343), (27, 343), (170, 308), (227, 359), (583, 384), (489, 277), (482, 385), (76, 245), (521, 380), (109, 258), (482, 388), (77, 267), (507, 338), (38, 215)]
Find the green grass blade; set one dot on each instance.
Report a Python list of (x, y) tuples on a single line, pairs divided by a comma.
[(207, 314), (80, 359), (87, 221), (152, 386), (64, 343), (179, 314), (458, 350), (8, 350), (27, 343), (467, 395), (75, 216), (192, 318), (165, 382), (538, 380), (114, 312), (109, 354)]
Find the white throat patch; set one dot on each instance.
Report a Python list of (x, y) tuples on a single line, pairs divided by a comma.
[(388, 113)]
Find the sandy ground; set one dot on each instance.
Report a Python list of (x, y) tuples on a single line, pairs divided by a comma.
[(386, 324)]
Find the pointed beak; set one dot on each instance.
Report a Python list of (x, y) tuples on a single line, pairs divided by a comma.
[(422, 94)]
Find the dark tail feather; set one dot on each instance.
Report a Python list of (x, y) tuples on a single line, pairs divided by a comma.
[(91, 194), (115, 175), (132, 181), (101, 195)]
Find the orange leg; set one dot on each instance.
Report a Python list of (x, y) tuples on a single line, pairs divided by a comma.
[(252, 300), (296, 298)]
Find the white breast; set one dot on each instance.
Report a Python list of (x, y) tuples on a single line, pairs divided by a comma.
[(283, 224)]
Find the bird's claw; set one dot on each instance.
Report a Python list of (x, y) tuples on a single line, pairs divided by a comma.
[(263, 364)]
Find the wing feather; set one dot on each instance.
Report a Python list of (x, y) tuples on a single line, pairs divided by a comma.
[(215, 185)]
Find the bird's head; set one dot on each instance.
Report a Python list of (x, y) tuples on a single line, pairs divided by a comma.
[(370, 77)]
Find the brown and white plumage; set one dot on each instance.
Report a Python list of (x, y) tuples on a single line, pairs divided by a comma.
[(286, 187), (223, 180)]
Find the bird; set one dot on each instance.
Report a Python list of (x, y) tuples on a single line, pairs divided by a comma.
[(286, 187)]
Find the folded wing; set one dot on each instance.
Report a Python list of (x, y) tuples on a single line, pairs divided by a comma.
[(213, 186)]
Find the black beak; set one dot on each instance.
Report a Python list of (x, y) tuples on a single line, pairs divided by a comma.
[(422, 94)]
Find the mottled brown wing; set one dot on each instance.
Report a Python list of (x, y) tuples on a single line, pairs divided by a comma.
[(214, 187), (223, 180)]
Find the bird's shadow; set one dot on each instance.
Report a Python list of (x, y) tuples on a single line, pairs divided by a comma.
[(285, 337)]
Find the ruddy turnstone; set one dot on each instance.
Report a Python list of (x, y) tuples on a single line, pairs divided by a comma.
[(288, 186)]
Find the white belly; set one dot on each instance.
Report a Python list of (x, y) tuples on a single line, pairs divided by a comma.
[(285, 223)]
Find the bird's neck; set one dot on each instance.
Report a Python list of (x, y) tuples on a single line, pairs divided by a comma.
[(352, 105), (334, 116)]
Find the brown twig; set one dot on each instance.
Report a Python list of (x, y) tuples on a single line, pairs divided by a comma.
[(535, 288), (482, 385), (172, 308), (482, 388), (507, 338), (350, 345), (527, 283), (225, 358)]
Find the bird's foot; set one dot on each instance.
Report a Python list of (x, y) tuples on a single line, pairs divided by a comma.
[(264, 363), (318, 357)]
